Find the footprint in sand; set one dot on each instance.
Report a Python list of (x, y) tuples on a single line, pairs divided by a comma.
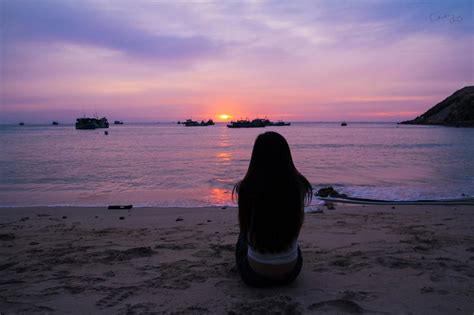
[(277, 304), (139, 308), (115, 297), (358, 295), (340, 306), (234, 288)]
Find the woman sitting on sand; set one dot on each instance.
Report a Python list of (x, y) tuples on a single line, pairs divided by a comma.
[(271, 200)]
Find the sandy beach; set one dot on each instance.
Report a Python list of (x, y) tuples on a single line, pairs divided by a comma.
[(357, 259)]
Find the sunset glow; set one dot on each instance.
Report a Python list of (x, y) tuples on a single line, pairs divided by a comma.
[(225, 117), (166, 61)]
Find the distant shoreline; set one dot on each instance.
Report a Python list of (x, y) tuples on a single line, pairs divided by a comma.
[(216, 122)]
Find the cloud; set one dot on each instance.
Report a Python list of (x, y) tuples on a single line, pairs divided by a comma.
[(263, 57), (46, 22)]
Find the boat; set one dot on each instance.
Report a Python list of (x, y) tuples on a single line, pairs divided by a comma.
[(22, 124), (343, 124), (245, 123), (256, 123), (54, 123), (118, 122), (86, 123), (280, 123), (193, 123)]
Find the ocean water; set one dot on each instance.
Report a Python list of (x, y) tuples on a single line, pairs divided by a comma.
[(172, 165)]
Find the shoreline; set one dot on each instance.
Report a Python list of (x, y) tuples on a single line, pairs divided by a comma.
[(410, 259), (346, 202)]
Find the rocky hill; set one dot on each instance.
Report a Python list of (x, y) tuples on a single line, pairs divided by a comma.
[(456, 110)]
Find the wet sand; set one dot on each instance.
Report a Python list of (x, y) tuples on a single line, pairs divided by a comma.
[(357, 259)]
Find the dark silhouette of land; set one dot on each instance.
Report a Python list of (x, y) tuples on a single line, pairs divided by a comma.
[(457, 111)]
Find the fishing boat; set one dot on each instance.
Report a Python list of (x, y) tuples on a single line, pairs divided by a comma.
[(343, 124), (245, 123), (86, 123), (193, 123), (256, 123), (54, 123), (280, 123), (118, 122)]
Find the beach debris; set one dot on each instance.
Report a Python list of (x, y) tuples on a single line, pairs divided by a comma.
[(119, 207), (122, 218), (106, 133), (209, 220), (224, 207), (329, 205), (24, 219), (330, 192), (34, 243), (393, 207), (7, 237), (179, 219), (64, 217)]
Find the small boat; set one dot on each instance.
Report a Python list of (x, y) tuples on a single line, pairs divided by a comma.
[(91, 123), (22, 124), (245, 123), (55, 123), (343, 124), (193, 123), (118, 122), (256, 123), (280, 123)]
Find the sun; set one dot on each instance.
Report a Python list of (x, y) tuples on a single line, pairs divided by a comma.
[(224, 116)]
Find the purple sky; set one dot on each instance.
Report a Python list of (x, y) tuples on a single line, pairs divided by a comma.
[(292, 60)]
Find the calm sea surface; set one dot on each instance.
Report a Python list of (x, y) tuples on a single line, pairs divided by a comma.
[(173, 165)]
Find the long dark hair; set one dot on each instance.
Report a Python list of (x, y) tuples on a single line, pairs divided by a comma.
[(272, 195)]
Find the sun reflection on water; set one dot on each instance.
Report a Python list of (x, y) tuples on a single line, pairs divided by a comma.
[(220, 196), (224, 156)]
